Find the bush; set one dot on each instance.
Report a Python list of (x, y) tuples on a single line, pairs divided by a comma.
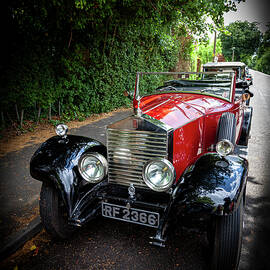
[(76, 58), (263, 63)]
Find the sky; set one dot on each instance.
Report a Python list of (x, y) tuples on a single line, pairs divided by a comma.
[(251, 11)]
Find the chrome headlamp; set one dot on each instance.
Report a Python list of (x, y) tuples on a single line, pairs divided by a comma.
[(93, 167), (224, 147), (61, 130), (159, 174)]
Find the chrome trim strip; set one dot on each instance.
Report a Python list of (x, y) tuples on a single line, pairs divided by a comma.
[(142, 139), (129, 159), (157, 144), (139, 150), (143, 155), (167, 100), (157, 122), (136, 175), (124, 170), (120, 166), (141, 132)]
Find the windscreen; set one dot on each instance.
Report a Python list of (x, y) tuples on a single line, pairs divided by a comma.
[(205, 83)]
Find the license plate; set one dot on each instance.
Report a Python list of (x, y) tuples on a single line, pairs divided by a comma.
[(138, 216)]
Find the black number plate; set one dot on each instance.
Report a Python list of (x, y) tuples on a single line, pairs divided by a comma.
[(132, 215)]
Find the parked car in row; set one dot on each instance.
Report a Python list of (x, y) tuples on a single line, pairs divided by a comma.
[(238, 67), (243, 77), (249, 78), (176, 160)]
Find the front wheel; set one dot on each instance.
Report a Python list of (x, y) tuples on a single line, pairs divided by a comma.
[(53, 213), (225, 239)]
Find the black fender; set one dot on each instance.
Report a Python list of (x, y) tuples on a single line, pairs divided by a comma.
[(245, 131), (56, 160), (213, 185)]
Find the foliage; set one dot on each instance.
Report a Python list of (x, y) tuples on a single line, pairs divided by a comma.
[(204, 52), (263, 63), (263, 58), (244, 37), (265, 44), (76, 57)]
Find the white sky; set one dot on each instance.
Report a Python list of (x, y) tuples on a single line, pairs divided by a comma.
[(251, 11)]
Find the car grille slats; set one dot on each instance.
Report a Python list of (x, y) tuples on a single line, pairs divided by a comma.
[(131, 170), (129, 150)]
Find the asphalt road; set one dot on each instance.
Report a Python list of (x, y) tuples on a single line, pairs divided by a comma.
[(256, 242), (108, 244), (19, 192)]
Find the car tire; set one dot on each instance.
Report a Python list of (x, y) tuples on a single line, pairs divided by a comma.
[(226, 240), (227, 127), (53, 213)]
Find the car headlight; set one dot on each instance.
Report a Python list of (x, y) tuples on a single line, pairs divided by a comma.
[(159, 174), (93, 167), (224, 147), (61, 130)]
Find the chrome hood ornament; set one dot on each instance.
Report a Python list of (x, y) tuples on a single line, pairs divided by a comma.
[(137, 111), (131, 191)]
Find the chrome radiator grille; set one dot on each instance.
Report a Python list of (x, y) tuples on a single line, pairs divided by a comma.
[(129, 150)]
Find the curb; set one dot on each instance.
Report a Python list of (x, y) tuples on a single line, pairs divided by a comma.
[(18, 239)]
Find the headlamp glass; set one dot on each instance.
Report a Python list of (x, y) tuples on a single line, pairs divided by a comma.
[(224, 147), (93, 167), (159, 174)]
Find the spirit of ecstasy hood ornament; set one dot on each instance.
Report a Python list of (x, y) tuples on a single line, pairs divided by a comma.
[(137, 109), (131, 191)]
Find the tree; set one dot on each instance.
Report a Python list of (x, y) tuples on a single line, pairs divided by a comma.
[(265, 44), (242, 37), (204, 53), (85, 53), (263, 57), (263, 63)]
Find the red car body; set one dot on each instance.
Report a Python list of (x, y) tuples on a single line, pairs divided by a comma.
[(194, 119)]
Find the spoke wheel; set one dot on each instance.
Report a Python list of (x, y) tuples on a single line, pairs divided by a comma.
[(225, 239), (53, 213), (227, 127)]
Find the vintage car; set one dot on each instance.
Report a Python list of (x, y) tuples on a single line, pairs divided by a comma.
[(178, 160), (238, 67), (249, 77), (243, 78)]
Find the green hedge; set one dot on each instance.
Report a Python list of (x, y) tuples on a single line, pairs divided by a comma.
[(91, 75), (77, 57)]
